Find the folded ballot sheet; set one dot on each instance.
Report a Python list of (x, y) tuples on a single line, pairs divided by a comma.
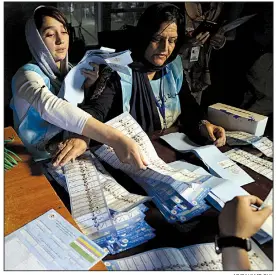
[(263, 144), (218, 163), (200, 257), (72, 90), (50, 243)]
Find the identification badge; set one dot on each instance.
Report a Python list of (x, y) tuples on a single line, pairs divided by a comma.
[(194, 53)]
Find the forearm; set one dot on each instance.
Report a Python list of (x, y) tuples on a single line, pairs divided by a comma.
[(31, 88), (101, 132), (234, 258)]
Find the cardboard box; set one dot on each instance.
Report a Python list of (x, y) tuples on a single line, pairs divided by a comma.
[(235, 119)]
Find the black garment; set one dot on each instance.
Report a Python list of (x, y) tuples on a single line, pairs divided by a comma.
[(109, 105), (142, 103)]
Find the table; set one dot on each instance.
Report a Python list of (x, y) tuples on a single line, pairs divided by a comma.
[(200, 229), (28, 194)]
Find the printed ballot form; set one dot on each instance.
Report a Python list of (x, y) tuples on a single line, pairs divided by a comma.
[(50, 243), (201, 257)]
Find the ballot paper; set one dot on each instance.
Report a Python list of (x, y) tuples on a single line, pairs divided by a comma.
[(217, 163), (245, 138), (265, 146), (50, 243), (173, 188), (242, 138), (96, 202), (117, 197), (72, 90), (259, 165), (200, 257)]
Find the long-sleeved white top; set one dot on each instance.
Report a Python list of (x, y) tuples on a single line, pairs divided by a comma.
[(31, 90)]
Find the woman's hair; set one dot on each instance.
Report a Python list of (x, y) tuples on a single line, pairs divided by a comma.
[(149, 23), (50, 11)]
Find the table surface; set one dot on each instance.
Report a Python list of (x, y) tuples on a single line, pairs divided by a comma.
[(28, 194)]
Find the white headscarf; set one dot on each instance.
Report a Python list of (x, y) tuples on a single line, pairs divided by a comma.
[(42, 55)]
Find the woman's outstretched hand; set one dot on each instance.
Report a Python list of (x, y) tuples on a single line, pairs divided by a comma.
[(128, 151)]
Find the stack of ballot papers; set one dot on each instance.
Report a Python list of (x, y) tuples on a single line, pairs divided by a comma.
[(221, 194), (200, 257), (50, 243), (72, 90), (218, 163), (105, 211), (178, 193), (257, 164), (263, 144)]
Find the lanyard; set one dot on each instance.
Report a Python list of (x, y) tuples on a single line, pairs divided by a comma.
[(162, 107)]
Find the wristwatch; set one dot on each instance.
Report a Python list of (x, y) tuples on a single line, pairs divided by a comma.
[(222, 242)]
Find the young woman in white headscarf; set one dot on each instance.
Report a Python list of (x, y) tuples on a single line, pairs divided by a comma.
[(40, 113)]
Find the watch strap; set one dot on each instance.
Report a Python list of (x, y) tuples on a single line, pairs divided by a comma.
[(231, 241)]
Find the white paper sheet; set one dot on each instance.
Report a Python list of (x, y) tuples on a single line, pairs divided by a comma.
[(50, 243), (217, 163), (71, 89)]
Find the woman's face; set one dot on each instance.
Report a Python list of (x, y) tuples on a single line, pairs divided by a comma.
[(55, 37), (162, 44)]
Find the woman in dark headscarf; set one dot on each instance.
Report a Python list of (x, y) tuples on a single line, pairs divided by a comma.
[(154, 91)]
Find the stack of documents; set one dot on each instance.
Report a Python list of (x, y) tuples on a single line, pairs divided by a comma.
[(50, 243), (242, 138), (178, 193), (200, 257), (105, 211)]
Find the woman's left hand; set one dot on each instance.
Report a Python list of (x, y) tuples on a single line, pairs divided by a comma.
[(91, 75), (69, 150), (214, 133)]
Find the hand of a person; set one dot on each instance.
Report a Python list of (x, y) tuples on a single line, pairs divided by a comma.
[(91, 75), (128, 151), (238, 218), (202, 38), (69, 150), (217, 40), (214, 133)]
